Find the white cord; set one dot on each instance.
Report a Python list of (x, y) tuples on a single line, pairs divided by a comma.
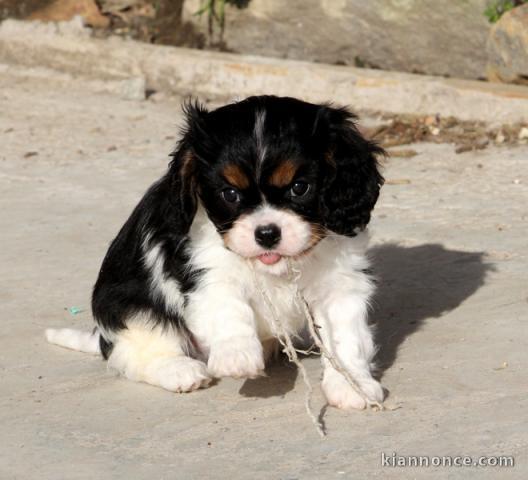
[(288, 347)]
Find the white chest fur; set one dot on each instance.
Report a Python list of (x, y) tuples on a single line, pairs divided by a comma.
[(231, 285)]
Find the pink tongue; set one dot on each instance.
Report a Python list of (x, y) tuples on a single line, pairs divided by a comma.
[(269, 258)]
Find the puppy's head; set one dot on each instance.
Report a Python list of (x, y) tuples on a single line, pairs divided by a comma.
[(276, 175)]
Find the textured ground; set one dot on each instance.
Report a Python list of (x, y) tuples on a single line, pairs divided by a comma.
[(449, 244)]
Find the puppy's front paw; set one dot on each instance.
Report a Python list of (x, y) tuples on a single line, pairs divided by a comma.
[(341, 394), (239, 357), (177, 374)]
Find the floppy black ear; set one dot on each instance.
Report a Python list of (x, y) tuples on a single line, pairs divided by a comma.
[(183, 167), (351, 173)]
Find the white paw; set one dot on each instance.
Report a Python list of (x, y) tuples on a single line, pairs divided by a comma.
[(239, 357), (341, 394), (177, 374)]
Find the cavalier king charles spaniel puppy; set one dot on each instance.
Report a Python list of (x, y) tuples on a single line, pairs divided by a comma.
[(253, 187)]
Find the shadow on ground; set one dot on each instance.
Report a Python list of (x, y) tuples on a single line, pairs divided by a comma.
[(280, 380), (414, 284)]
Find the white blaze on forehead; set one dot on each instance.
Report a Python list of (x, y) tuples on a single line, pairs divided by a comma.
[(295, 232), (258, 133)]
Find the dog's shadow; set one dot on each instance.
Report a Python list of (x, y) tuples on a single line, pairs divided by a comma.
[(414, 284), (279, 380)]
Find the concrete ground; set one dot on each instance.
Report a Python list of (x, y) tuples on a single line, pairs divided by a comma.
[(449, 247)]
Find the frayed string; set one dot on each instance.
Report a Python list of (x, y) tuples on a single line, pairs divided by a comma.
[(288, 348), (292, 352), (314, 332)]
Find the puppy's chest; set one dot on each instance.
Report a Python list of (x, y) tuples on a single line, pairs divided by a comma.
[(274, 300)]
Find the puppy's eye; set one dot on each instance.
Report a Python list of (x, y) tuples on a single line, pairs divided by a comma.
[(299, 189), (231, 195)]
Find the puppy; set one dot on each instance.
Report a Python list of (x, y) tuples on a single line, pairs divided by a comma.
[(252, 187)]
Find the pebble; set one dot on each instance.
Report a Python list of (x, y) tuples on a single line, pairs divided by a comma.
[(133, 88), (523, 133)]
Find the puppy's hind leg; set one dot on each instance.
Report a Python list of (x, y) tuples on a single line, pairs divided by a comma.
[(156, 355)]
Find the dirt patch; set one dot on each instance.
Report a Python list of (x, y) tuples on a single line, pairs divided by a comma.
[(397, 130), (151, 21), (20, 8)]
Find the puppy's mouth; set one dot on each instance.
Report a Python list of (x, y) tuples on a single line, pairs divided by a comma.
[(270, 258)]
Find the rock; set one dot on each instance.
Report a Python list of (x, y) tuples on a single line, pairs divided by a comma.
[(507, 48), (133, 88), (422, 36), (523, 134), (63, 10)]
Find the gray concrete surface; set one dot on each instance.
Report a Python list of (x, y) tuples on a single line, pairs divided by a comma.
[(449, 243), (69, 48)]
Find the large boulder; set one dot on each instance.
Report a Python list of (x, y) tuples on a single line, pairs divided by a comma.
[(508, 47), (425, 36)]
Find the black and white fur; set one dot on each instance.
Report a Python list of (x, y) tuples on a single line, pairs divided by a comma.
[(252, 185)]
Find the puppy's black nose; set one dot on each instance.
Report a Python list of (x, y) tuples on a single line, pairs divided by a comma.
[(267, 236)]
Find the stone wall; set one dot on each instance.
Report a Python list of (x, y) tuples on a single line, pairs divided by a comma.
[(438, 37)]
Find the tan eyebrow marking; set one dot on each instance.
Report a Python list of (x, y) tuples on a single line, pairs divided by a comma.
[(236, 177), (283, 174)]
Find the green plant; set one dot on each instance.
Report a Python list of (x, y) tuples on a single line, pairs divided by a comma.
[(497, 8), (215, 11)]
